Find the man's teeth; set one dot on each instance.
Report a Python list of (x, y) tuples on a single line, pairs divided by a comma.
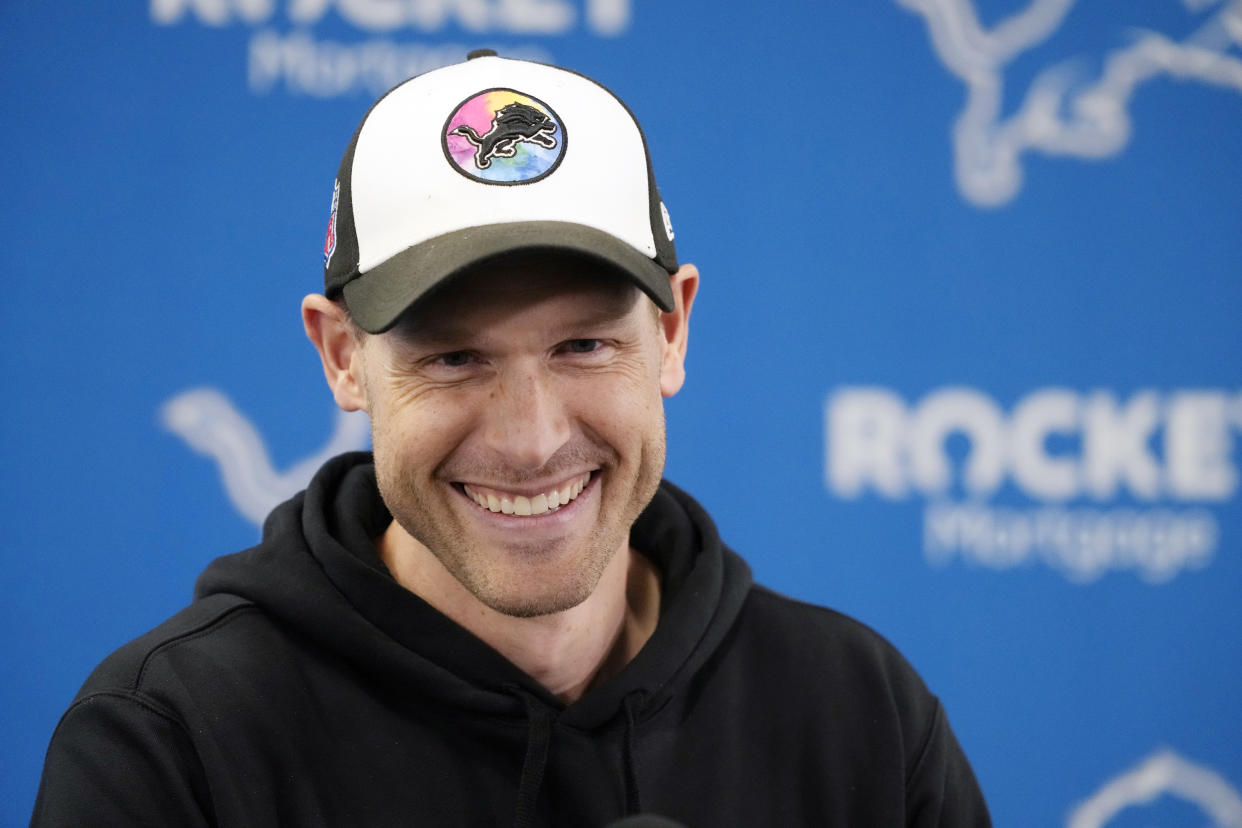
[(529, 506)]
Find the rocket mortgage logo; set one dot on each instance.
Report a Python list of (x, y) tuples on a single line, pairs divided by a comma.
[(1083, 482), (386, 41)]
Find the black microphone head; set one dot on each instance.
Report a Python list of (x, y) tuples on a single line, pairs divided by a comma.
[(645, 821)]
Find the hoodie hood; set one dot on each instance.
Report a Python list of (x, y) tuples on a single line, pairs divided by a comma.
[(316, 573)]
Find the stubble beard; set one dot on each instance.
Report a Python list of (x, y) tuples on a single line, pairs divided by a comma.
[(504, 589)]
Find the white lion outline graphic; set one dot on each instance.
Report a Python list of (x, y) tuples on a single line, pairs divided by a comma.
[(1057, 117), (210, 424), (1164, 772)]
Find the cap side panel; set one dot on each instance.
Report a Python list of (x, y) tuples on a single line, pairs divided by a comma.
[(666, 251), (343, 264)]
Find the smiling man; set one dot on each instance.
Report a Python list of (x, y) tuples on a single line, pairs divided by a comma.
[(518, 434), (502, 615)]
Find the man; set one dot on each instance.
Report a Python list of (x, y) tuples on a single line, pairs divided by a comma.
[(504, 616)]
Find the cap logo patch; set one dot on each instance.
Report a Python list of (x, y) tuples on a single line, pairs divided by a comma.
[(502, 136), (329, 242)]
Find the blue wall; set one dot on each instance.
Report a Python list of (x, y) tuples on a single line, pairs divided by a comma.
[(965, 361)]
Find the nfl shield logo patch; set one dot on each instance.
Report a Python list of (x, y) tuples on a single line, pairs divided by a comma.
[(329, 242)]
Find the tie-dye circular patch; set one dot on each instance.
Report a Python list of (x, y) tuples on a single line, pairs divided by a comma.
[(502, 136)]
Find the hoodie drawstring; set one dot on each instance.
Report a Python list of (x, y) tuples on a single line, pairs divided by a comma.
[(538, 740), (533, 765), (633, 796)]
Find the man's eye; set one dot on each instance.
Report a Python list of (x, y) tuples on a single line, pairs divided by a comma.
[(582, 346), (455, 359)]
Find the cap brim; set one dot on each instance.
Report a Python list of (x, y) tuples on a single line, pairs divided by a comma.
[(377, 298)]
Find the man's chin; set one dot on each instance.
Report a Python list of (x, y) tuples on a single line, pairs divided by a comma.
[(528, 593), (526, 606)]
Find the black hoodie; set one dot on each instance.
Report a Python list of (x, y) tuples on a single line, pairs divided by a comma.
[(305, 687)]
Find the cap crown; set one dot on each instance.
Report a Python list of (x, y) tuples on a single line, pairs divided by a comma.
[(491, 141)]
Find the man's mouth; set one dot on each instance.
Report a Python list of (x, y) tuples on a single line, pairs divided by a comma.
[(509, 503)]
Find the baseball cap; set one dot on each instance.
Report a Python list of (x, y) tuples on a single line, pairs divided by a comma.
[(485, 159)]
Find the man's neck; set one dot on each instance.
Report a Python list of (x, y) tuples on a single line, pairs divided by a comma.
[(566, 652)]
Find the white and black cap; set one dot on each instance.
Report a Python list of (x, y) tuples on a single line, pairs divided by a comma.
[(486, 159)]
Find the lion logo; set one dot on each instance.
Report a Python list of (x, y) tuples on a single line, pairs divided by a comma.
[(514, 123), (502, 136)]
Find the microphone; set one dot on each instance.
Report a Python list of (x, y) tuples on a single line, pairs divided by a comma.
[(645, 821)]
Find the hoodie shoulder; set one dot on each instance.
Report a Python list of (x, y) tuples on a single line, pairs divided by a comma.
[(826, 661), (127, 667), (123, 753), (821, 657), (846, 648), (815, 622)]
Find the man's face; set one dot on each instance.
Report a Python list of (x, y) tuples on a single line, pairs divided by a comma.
[(518, 428)]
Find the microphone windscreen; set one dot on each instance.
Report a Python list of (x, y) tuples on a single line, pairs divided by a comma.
[(645, 821)]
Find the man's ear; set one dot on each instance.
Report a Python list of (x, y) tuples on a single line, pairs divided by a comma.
[(675, 325), (339, 350)]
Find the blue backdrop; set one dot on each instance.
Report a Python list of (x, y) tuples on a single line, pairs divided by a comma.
[(965, 361)]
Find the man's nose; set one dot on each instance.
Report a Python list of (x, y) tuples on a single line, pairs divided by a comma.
[(526, 418)]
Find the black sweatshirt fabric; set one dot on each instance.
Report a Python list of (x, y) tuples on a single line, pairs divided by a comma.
[(305, 687)]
